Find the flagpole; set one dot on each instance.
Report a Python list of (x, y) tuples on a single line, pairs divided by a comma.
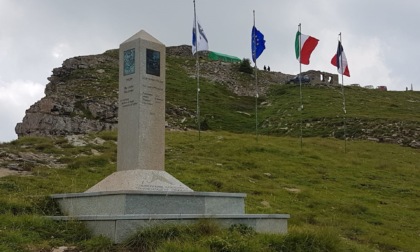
[(197, 73), (300, 82), (344, 98), (254, 52)]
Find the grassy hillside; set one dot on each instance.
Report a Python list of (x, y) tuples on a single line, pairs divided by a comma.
[(218, 106), (370, 113), (365, 200)]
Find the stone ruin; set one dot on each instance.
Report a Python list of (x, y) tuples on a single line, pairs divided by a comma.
[(323, 78)]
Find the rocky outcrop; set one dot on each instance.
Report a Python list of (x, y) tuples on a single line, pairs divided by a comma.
[(239, 83), (26, 161), (184, 51), (80, 98), (227, 74)]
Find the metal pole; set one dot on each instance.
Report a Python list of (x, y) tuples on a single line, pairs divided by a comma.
[(344, 97), (300, 83), (197, 64), (254, 54)]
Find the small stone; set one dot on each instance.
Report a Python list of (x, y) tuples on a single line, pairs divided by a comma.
[(95, 152), (265, 203), (60, 249), (293, 190)]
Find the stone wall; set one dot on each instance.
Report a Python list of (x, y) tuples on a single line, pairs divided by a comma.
[(323, 78)]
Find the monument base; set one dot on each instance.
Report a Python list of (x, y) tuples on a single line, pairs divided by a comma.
[(140, 180), (119, 214), (120, 227)]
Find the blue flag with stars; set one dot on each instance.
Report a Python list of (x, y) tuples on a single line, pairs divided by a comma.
[(257, 43)]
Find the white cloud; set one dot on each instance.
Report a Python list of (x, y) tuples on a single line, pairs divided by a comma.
[(60, 50), (15, 98), (373, 69), (5, 45)]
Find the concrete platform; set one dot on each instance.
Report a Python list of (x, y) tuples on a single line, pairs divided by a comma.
[(119, 214), (120, 227), (154, 202)]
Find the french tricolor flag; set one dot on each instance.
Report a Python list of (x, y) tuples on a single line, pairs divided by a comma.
[(340, 61)]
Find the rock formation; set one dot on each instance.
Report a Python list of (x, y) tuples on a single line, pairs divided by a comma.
[(80, 98)]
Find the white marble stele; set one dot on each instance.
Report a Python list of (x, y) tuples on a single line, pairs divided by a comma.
[(141, 116)]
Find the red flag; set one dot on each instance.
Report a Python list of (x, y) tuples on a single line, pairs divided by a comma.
[(304, 45)]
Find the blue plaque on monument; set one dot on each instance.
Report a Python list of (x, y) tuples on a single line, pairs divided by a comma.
[(152, 62), (129, 61)]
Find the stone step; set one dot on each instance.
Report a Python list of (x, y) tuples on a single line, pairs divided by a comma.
[(155, 202), (120, 227)]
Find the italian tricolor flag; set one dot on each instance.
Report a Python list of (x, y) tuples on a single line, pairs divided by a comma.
[(304, 45)]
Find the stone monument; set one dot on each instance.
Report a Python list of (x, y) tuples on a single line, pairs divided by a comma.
[(140, 193), (141, 116)]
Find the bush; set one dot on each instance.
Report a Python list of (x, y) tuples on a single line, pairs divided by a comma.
[(88, 161), (306, 240), (245, 66), (149, 239), (98, 244), (242, 229), (109, 135)]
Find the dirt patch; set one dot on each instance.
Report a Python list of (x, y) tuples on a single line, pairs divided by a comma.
[(7, 172)]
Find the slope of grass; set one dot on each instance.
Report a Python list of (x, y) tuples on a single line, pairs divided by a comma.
[(323, 101), (220, 108), (360, 193), (369, 112), (373, 113), (366, 199)]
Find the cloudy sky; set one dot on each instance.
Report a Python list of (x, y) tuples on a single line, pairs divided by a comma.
[(380, 38)]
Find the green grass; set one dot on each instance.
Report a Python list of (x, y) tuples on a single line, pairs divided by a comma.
[(383, 114), (321, 101), (206, 236), (359, 194), (362, 200), (219, 107)]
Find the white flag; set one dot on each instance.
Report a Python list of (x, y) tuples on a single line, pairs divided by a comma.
[(199, 43)]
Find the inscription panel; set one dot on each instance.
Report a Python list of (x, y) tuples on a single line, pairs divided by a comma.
[(152, 62), (129, 61), (153, 92)]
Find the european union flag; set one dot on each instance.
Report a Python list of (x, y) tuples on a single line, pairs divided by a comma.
[(257, 43)]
